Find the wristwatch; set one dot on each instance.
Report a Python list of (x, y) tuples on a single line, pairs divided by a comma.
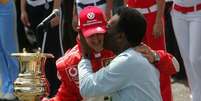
[(156, 57)]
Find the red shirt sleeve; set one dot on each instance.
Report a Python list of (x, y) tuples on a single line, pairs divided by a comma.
[(68, 90), (68, 75), (166, 65)]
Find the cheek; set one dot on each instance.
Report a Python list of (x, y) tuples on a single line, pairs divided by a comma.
[(110, 39), (89, 42), (95, 44), (108, 42), (97, 40), (101, 40)]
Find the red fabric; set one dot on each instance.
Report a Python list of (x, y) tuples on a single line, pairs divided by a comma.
[(67, 69), (140, 3), (166, 69), (149, 39), (165, 66), (186, 9), (165, 86)]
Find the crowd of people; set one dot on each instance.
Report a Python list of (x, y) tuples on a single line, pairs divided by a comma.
[(119, 52)]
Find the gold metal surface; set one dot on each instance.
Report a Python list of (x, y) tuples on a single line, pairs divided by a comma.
[(31, 83)]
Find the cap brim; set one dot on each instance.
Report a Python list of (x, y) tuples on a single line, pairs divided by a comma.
[(91, 31)]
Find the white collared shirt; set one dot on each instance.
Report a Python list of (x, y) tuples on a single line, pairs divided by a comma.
[(128, 77)]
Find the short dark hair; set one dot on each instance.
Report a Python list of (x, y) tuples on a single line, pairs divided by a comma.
[(132, 23)]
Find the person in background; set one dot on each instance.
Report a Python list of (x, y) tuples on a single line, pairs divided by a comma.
[(186, 21), (153, 10), (171, 43), (69, 35), (32, 13), (116, 4), (105, 5), (9, 67)]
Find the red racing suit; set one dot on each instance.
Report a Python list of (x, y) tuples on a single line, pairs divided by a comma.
[(68, 74), (154, 43)]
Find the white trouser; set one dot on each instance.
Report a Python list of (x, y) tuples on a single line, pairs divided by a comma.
[(187, 29)]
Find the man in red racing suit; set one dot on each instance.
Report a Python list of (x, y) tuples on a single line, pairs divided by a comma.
[(68, 72)]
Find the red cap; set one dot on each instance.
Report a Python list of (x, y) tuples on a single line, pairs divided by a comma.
[(92, 21)]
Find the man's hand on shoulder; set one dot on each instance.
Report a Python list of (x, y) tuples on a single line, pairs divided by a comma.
[(148, 53)]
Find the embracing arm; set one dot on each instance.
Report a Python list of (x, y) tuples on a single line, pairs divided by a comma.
[(104, 82), (164, 61), (168, 64)]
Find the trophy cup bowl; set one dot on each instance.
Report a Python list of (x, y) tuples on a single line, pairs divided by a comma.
[(31, 83)]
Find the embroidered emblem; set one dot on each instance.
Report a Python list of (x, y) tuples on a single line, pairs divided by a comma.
[(90, 15), (72, 74)]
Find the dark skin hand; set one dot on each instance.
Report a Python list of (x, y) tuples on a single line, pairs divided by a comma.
[(146, 51), (86, 50)]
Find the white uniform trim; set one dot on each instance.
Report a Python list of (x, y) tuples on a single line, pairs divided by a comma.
[(195, 7), (187, 3), (150, 9), (176, 64), (37, 2)]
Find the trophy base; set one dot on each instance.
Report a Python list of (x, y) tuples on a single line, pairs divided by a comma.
[(29, 98)]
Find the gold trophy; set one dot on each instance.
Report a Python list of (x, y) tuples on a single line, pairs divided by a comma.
[(31, 83)]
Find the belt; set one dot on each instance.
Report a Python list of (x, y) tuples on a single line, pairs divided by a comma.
[(148, 10), (185, 10), (81, 5)]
